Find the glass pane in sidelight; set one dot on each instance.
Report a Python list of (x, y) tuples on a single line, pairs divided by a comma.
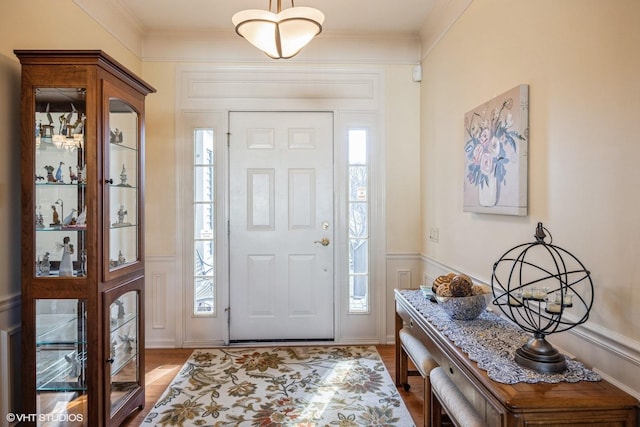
[(204, 223)]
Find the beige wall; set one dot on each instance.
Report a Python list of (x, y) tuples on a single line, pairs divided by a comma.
[(36, 24), (580, 59), (160, 167), (402, 160)]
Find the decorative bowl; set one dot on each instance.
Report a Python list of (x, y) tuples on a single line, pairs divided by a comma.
[(463, 308)]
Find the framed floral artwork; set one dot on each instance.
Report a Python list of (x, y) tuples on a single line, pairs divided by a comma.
[(495, 152)]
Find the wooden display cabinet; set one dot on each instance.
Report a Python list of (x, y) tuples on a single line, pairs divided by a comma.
[(82, 187)]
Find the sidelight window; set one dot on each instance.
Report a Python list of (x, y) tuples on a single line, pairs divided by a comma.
[(204, 223), (358, 208)]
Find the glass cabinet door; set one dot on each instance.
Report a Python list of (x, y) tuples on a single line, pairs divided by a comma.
[(124, 349), (123, 185), (60, 183), (61, 361)]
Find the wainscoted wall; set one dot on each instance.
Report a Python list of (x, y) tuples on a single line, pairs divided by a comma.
[(404, 271), (10, 351), (610, 354), (163, 302)]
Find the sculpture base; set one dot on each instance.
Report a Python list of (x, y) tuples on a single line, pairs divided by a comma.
[(539, 355)]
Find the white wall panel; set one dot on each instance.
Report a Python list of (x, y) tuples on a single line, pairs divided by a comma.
[(162, 302), (159, 297)]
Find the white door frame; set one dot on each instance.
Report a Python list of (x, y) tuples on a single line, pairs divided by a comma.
[(356, 97)]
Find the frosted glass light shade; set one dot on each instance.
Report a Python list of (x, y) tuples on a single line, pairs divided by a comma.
[(281, 35)]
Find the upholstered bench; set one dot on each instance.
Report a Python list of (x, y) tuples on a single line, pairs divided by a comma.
[(412, 348), (445, 397)]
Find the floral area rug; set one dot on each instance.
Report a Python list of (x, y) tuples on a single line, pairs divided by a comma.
[(282, 386)]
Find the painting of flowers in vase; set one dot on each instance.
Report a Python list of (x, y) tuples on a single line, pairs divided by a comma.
[(496, 149)]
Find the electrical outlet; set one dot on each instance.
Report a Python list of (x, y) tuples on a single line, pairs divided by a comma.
[(434, 234)]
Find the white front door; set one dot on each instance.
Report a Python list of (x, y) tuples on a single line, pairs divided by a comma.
[(281, 225)]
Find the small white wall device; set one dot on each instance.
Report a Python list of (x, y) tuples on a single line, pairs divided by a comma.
[(417, 73)]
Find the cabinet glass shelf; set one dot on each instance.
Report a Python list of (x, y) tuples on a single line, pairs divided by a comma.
[(125, 362), (61, 341)]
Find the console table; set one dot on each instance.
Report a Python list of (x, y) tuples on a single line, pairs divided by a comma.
[(592, 403)]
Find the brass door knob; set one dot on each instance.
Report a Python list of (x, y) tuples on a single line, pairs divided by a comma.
[(323, 242)]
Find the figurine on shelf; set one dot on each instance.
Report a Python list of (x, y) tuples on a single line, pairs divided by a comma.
[(127, 340), (81, 174), (82, 271), (82, 217), (115, 136), (59, 173), (121, 259), (72, 175), (50, 177), (123, 177), (122, 213), (74, 365), (69, 127), (66, 264), (45, 265), (69, 220), (114, 343), (56, 217), (39, 219), (46, 131), (49, 118), (63, 125), (78, 126), (120, 305)]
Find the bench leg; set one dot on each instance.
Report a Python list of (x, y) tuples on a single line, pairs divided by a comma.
[(436, 410), (427, 406), (399, 352), (403, 369)]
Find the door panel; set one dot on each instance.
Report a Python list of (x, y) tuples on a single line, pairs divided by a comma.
[(281, 225)]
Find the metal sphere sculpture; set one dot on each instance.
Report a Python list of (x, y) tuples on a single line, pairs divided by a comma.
[(544, 289)]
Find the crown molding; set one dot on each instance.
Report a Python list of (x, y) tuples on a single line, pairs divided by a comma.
[(328, 47), (116, 21), (441, 18), (227, 47)]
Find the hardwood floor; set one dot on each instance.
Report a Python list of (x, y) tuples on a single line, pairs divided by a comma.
[(162, 365)]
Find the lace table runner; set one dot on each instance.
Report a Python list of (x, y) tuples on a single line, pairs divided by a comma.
[(491, 341)]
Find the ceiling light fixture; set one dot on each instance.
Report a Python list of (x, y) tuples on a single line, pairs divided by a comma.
[(280, 35)]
